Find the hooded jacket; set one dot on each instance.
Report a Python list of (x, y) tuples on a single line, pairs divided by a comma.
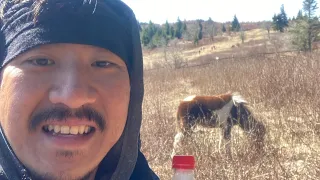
[(18, 34)]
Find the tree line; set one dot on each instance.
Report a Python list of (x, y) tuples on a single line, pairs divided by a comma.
[(154, 35), (304, 28)]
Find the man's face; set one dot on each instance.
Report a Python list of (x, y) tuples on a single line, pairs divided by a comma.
[(63, 107)]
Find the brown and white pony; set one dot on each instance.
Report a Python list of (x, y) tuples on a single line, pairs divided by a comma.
[(223, 111)]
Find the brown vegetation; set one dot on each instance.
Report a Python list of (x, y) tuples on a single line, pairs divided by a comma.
[(283, 91)]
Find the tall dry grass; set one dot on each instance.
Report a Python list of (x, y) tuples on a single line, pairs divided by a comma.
[(283, 92)]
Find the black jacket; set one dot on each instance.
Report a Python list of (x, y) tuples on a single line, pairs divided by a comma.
[(141, 171)]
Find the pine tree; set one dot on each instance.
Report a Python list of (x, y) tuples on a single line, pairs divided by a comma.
[(196, 39), (144, 37), (280, 21), (275, 24), (306, 28), (299, 15), (211, 29), (148, 33), (178, 29), (172, 32), (200, 30), (151, 29), (224, 28), (235, 24), (310, 7), (184, 27), (167, 29), (284, 19)]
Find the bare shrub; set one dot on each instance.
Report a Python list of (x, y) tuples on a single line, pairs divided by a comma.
[(173, 57)]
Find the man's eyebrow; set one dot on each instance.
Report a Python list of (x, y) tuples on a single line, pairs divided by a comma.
[(99, 50)]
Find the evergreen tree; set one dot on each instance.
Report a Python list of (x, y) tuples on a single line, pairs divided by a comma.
[(167, 29), (224, 28), (306, 28), (280, 21), (172, 32), (235, 24), (184, 27), (310, 7), (211, 29), (283, 16), (178, 29), (144, 37), (150, 35), (299, 34), (299, 15), (200, 30), (275, 23)]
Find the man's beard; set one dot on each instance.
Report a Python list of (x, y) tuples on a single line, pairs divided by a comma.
[(59, 176)]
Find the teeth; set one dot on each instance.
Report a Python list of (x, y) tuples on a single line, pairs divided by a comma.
[(57, 128), (81, 129), (74, 130), (50, 128), (86, 129), (68, 129), (65, 130)]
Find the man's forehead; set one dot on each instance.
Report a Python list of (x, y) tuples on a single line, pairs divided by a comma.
[(72, 25)]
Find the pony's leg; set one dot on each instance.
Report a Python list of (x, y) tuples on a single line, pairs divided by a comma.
[(189, 125), (254, 129), (178, 143), (184, 135), (227, 137), (226, 131)]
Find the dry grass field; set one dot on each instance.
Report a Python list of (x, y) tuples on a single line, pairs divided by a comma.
[(282, 90), (256, 41)]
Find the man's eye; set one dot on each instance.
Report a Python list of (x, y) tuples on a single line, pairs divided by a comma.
[(101, 64), (42, 62)]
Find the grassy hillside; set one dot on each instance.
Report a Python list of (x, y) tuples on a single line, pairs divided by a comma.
[(282, 90), (256, 41)]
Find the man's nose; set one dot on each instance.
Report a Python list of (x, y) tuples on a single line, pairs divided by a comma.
[(72, 89)]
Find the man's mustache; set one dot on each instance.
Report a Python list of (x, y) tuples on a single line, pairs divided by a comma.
[(62, 113)]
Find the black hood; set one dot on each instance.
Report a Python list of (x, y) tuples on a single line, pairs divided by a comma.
[(121, 160)]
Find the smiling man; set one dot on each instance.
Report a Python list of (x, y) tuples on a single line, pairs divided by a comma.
[(71, 91)]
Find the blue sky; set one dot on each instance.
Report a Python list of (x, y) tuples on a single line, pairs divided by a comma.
[(159, 11)]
